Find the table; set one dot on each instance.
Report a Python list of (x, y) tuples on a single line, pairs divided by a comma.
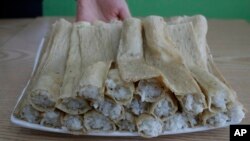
[(229, 41)]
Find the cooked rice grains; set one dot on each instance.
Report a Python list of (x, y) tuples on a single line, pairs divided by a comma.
[(148, 88)]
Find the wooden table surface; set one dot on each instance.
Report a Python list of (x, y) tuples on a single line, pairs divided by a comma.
[(19, 40)]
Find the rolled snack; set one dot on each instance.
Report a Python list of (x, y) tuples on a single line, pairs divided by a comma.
[(161, 53), (179, 121), (130, 59), (233, 115), (72, 123), (149, 126), (127, 123), (95, 121), (45, 51), (51, 119), (218, 95), (216, 72), (99, 42), (68, 101), (200, 29), (118, 90), (109, 36), (74, 106), (184, 38), (109, 109), (98, 45), (29, 114), (214, 119), (92, 81), (137, 107), (150, 90), (164, 107), (45, 90), (236, 112)]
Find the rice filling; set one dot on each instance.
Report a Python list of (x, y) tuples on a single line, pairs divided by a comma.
[(149, 90), (163, 108), (219, 101), (175, 122), (97, 122), (75, 104), (193, 104), (90, 92), (110, 109), (29, 114), (137, 107), (41, 99), (51, 119), (73, 123), (149, 126), (118, 92)]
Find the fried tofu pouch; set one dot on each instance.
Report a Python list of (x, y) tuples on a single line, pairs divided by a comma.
[(98, 46), (200, 28), (45, 91), (130, 57), (51, 119), (127, 123), (73, 123), (165, 107), (132, 65), (161, 53), (68, 101), (216, 92), (149, 126), (95, 121), (27, 113), (110, 109), (189, 36), (117, 89)]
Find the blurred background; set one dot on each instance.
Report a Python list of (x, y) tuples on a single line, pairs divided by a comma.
[(219, 9)]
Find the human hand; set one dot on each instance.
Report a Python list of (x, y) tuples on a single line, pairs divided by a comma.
[(105, 10)]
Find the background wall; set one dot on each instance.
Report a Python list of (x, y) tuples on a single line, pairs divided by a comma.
[(224, 9)]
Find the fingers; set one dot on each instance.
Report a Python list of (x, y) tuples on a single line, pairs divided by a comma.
[(88, 10), (80, 16), (108, 10), (123, 14), (80, 10)]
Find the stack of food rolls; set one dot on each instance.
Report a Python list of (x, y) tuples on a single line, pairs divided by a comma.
[(144, 76)]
